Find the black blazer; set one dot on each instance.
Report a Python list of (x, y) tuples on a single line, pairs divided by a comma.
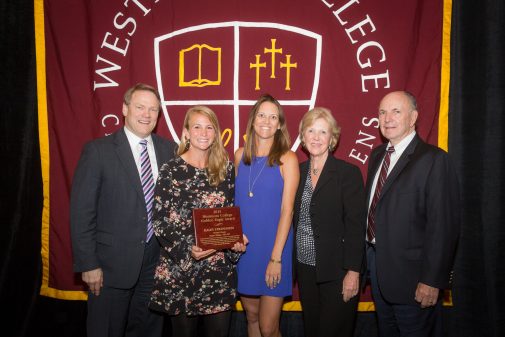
[(416, 220), (108, 216), (337, 213)]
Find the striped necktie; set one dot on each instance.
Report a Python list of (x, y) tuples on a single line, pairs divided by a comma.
[(380, 182), (147, 180)]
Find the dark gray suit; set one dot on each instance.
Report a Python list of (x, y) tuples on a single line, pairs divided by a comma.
[(108, 225), (417, 225)]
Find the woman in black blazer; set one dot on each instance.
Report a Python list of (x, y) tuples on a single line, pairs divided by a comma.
[(329, 223)]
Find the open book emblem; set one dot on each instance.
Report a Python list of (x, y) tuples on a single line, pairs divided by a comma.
[(195, 75)]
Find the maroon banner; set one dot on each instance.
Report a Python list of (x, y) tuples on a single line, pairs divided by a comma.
[(343, 55)]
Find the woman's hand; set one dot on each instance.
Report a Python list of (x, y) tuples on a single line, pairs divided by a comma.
[(273, 273), (350, 285), (240, 247), (198, 253)]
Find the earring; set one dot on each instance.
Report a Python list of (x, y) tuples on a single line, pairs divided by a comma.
[(187, 145)]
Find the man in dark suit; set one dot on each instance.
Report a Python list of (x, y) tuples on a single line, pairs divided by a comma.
[(413, 223), (110, 212)]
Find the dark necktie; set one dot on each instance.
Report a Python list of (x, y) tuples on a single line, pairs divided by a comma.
[(380, 182), (146, 178)]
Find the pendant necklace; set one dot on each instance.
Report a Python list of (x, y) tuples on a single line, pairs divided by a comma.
[(315, 171), (251, 194)]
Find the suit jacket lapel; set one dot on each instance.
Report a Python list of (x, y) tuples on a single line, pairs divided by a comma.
[(304, 170), (400, 165), (156, 143), (125, 155), (372, 172)]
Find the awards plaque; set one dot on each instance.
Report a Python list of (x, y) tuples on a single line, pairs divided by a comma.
[(217, 228)]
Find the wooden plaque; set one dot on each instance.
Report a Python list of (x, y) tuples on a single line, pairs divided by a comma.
[(217, 228)]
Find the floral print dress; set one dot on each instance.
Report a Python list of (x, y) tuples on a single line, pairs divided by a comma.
[(181, 283)]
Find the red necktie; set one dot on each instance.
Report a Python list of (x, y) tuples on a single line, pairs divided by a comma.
[(380, 182)]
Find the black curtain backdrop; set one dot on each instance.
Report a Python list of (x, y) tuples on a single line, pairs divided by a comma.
[(476, 145), (21, 185)]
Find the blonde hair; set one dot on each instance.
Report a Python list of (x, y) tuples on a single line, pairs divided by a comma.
[(218, 157), (281, 138), (140, 87), (319, 112)]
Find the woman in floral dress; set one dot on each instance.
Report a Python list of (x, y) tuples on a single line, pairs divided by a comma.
[(192, 284)]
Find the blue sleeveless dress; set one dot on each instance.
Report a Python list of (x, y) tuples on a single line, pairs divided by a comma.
[(260, 216)]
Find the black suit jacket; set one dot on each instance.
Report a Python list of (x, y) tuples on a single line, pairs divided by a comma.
[(416, 220), (337, 213), (108, 216)]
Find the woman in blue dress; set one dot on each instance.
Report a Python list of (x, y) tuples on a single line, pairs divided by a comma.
[(266, 184)]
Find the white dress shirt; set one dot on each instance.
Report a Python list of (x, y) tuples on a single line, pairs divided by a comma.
[(399, 148), (134, 141)]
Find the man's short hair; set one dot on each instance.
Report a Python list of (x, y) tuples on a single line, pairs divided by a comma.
[(412, 100), (140, 87)]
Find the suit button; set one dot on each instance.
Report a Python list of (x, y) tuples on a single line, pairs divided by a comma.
[(142, 241)]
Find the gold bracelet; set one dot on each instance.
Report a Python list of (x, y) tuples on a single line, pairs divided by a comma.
[(275, 261)]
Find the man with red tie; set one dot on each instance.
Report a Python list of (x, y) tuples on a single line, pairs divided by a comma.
[(413, 223)]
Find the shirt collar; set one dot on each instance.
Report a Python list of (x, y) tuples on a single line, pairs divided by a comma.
[(402, 145), (133, 139)]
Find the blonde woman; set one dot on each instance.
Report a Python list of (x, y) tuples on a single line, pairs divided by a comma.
[(329, 231), (192, 284), (267, 177)]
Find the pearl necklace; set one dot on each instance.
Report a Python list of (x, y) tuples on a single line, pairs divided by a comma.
[(250, 193)]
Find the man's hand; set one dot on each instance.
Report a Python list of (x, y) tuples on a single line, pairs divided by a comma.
[(94, 280), (427, 296)]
